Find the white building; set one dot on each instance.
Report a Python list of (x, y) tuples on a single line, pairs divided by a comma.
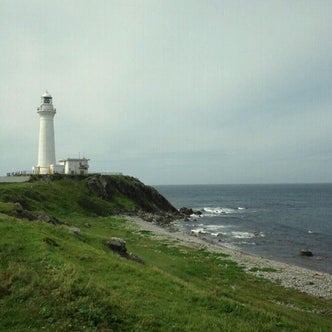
[(75, 166), (46, 152)]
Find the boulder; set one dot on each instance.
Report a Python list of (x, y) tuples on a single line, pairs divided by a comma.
[(116, 244), (135, 258), (186, 211), (18, 206), (306, 252), (48, 219), (75, 230)]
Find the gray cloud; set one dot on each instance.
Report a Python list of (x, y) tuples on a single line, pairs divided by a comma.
[(172, 92)]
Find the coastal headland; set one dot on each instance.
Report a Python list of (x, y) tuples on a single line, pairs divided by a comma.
[(59, 270)]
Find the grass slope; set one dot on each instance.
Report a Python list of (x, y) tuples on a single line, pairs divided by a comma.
[(53, 279), (62, 198)]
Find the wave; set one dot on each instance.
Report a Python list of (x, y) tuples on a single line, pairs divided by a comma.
[(242, 235), (221, 232), (214, 230), (219, 211), (199, 231)]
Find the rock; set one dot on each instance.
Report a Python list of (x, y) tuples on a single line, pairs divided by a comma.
[(75, 230), (186, 211), (48, 219), (87, 225), (136, 258), (306, 252), (116, 244), (50, 242), (25, 214), (21, 213), (18, 206), (146, 198), (98, 187), (160, 218)]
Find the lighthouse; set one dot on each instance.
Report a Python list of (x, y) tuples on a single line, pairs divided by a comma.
[(46, 152)]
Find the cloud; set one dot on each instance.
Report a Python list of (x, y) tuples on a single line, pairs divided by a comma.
[(202, 92)]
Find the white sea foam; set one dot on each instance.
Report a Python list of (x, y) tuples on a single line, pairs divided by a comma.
[(216, 211), (214, 227), (218, 234), (242, 235), (199, 231)]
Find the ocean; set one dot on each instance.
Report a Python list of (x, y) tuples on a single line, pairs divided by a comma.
[(272, 221)]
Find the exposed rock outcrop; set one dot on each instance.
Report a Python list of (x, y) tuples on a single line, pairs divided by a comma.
[(186, 211), (22, 213), (150, 204), (118, 246)]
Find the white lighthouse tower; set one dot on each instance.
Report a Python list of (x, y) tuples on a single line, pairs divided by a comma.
[(46, 152)]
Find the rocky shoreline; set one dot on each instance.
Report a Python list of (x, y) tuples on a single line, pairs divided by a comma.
[(308, 281)]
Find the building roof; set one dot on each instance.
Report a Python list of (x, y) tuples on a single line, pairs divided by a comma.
[(74, 159), (46, 94)]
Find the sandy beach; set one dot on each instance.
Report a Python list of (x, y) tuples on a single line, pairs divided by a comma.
[(308, 281)]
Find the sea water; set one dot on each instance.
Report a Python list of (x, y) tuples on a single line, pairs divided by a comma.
[(272, 221)]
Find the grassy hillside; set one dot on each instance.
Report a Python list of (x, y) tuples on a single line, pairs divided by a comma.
[(63, 196), (54, 279)]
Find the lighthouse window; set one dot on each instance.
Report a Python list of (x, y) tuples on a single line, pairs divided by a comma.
[(47, 100)]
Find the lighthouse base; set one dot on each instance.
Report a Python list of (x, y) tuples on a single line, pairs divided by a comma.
[(50, 169)]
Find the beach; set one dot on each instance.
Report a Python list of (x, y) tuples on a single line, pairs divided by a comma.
[(312, 282)]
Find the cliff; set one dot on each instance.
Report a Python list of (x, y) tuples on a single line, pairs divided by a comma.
[(52, 198)]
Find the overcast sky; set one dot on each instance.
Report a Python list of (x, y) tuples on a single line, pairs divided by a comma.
[(172, 92)]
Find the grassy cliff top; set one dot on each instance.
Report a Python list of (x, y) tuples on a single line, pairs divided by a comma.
[(55, 279), (62, 196)]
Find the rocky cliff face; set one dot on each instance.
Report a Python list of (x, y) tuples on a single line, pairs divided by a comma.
[(150, 204), (52, 198)]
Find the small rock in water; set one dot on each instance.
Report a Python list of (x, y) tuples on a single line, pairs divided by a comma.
[(306, 252), (186, 211)]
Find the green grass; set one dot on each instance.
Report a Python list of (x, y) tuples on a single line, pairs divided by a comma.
[(74, 283), (54, 280), (61, 198)]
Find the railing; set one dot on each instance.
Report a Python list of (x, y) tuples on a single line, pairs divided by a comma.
[(19, 173)]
